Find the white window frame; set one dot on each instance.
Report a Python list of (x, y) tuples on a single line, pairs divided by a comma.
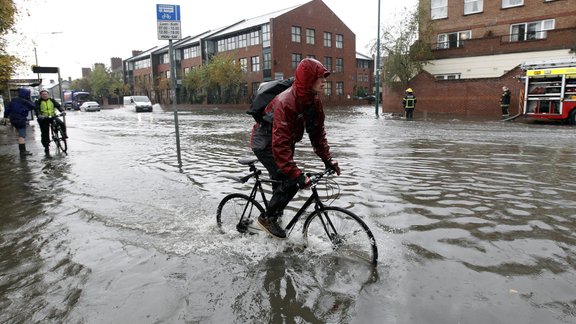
[(438, 9), (512, 3), (473, 6), (541, 33), (461, 36), (448, 76)]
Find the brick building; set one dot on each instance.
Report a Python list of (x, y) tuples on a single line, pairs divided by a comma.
[(266, 47), (478, 48)]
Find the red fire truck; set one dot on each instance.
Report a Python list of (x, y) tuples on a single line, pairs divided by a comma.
[(550, 90)]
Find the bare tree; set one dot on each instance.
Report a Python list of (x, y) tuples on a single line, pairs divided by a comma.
[(405, 47)]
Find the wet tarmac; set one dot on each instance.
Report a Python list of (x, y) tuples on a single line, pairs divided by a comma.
[(474, 221)]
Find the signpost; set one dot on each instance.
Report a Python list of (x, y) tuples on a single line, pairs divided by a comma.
[(168, 21)]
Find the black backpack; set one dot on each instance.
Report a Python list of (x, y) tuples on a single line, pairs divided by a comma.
[(266, 92)]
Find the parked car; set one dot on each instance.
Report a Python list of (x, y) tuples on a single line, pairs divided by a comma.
[(90, 106)]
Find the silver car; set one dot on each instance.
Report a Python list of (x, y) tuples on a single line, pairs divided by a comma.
[(90, 106)]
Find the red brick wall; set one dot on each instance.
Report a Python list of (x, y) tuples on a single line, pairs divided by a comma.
[(466, 98), (496, 21), (315, 15)]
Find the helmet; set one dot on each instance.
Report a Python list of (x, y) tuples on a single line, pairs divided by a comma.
[(409, 90)]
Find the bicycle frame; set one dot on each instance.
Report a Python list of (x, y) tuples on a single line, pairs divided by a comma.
[(313, 199)]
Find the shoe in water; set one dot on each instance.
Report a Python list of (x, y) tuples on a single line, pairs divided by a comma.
[(242, 227), (47, 151), (271, 226)]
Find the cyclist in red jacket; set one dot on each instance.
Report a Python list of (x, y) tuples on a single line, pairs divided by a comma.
[(273, 140)]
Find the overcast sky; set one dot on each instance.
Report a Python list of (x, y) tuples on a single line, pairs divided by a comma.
[(94, 31)]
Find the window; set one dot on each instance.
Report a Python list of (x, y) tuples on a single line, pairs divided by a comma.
[(255, 86), (243, 40), (221, 44), (339, 41), (190, 52), (296, 34), (255, 37), (266, 35), (244, 64), (512, 3), (339, 88), (255, 60), (453, 40), (231, 43), (531, 30), (165, 59), (473, 6), (296, 58), (327, 39), (439, 9), (451, 76), (339, 64), (328, 63), (266, 60), (328, 88), (310, 36)]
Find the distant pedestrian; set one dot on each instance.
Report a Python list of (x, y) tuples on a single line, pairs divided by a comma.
[(409, 103), (505, 101), (46, 111), (17, 111)]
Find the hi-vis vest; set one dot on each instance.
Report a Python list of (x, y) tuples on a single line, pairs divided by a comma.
[(47, 108), (409, 101)]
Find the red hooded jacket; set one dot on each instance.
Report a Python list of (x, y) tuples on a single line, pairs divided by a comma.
[(294, 110)]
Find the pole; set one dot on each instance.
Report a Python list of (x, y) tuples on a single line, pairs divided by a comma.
[(377, 67), (173, 92)]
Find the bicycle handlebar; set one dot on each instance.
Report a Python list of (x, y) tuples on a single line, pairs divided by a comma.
[(315, 177)]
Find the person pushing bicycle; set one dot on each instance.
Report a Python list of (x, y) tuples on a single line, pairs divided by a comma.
[(46, 110), (273, 139)]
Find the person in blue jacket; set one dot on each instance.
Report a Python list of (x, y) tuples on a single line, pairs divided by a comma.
[(18, 110)]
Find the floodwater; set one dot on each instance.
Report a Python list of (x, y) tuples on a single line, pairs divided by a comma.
[(475, 223)]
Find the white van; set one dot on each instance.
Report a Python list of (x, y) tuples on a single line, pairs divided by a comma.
[(139, 103)]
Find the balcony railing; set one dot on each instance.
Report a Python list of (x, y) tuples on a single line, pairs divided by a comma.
[(505, 44)]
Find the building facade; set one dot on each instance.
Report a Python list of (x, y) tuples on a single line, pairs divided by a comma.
[(478, 48), (267, 47)]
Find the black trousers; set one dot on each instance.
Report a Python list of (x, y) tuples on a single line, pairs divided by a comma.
[(45, 130), (283, 191), (409, 113)]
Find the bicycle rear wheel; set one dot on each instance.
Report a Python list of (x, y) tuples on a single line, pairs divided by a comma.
[(339, 231), (238, 213), (59, 139)]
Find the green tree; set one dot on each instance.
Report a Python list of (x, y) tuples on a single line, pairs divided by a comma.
[(81, 84), (99, 80), (195, 85), (224, 78), (405, 47), (8, 63)]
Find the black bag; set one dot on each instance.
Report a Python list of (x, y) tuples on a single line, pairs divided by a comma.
[(266, 92)]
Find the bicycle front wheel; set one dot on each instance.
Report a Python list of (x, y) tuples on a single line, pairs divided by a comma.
[(59, 139), (238, 213), (340, 232)]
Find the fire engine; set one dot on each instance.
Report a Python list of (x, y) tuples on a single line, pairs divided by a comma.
[(550, 90)]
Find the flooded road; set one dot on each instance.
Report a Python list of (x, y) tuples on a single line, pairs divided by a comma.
[(475, 223)]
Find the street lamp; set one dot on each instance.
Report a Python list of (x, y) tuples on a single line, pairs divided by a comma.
[(36, 52), (377, 67)]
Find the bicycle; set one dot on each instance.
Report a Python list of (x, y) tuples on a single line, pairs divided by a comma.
[(334, 229), (57, 134)]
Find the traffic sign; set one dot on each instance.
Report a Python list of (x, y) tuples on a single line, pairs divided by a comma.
[(45, 69), (168, 21), (167, 12)]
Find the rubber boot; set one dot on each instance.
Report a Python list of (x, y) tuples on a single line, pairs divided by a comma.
[(23, 151)]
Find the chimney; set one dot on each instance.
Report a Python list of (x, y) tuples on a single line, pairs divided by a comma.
[(136, 52)]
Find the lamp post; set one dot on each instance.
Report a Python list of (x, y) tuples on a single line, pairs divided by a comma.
[(36, 52), (377, 67)]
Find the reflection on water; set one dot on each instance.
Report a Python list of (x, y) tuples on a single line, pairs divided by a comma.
[(474, 222)]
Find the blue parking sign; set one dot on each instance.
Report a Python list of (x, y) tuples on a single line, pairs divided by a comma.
[(166, 12)]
